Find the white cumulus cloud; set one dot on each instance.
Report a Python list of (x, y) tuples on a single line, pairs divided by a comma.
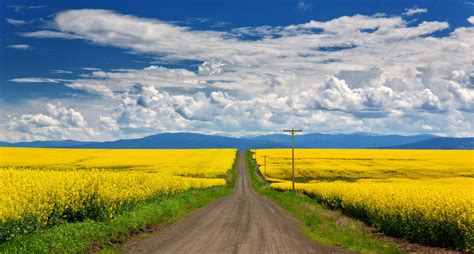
[(413, 11), (16, 22), (471, 19), (35, 80), (56, 123), (20, 46)]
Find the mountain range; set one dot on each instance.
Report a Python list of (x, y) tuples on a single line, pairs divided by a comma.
[(311, 140)]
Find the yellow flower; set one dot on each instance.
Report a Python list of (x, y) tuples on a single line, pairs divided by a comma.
[(42, 181)]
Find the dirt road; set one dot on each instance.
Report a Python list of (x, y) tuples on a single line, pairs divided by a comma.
[(244, 222)]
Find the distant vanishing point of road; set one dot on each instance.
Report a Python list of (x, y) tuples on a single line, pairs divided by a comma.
[(243, 222)]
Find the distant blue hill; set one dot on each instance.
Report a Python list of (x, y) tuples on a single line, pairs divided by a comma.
[(440, 143), (311, 140), (182, 140), (356, 140), (46, 144)]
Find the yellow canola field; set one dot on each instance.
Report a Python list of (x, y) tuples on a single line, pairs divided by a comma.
[(42, 182), (425, 196), (41, 192), (185, 162), (433, 211), (367, 163)]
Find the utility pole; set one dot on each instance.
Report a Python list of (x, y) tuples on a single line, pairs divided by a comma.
[(265, 163), (293, 156)]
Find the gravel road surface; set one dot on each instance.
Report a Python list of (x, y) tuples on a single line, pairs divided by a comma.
[(243, 222)]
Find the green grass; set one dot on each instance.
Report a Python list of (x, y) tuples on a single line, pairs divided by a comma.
[(93, 235), (321, 224)]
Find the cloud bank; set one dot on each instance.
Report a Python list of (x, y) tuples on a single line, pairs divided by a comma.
[(263, 79), (56, 123)]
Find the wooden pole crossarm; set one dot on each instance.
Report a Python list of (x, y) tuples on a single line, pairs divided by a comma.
[(293, 130)]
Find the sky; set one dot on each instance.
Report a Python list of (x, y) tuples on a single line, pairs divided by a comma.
[(90, 70)]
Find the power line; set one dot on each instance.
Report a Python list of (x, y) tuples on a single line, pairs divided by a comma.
[(392, 48), (356, 35)]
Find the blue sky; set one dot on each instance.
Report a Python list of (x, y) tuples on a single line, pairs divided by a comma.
[(92, 70)]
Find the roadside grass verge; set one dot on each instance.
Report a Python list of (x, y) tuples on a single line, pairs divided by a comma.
[(93, 236), (321, 224)]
